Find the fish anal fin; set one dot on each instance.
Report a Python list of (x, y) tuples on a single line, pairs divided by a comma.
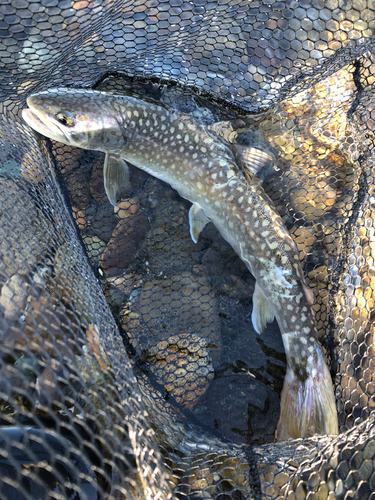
[(262, 310), (116, 176), (197, 220), (308, 407)]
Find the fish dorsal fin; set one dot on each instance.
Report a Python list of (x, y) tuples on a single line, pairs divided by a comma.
[(197, 220), (262, 310), (252, 159), (116, 176), (227, 130)]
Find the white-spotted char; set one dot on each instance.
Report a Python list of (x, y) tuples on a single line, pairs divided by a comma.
[(179, 150)]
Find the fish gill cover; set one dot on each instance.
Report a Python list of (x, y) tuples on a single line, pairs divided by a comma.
[(129, 364)]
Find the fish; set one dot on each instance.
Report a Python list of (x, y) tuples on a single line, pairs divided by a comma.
[(220, 182)]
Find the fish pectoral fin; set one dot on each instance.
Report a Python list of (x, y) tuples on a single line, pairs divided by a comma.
[(116, 176), (252, 159), (262, 310), (197, 220)]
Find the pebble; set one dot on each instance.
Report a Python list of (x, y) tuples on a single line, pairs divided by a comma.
[(69, 285), (124, 243), (13, 297), (94, 247), (75, 174), (173, 324), (49, 327), (30, 170), (97, 181), (123, 284), (126, 208), (101, 221), (80, 218), (28, 232)]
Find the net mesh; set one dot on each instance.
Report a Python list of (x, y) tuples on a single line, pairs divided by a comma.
[(129, 366)]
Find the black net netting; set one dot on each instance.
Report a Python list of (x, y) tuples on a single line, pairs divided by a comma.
[(129, 366)]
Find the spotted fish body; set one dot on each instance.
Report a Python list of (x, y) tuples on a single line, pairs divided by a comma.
[(179, 150)]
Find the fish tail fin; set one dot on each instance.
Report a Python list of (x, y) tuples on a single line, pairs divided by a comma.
[(308, 407)]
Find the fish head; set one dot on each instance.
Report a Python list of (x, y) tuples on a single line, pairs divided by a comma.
[(76, 117)]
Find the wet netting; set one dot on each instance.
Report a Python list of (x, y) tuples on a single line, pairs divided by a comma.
[(129, 365)]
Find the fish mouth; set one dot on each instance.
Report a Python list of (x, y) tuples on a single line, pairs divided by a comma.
[(48, 129)]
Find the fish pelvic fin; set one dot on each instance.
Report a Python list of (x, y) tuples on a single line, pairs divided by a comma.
[(198, 220), (308, 407), (310, 297), (262, 310), (116, 176)]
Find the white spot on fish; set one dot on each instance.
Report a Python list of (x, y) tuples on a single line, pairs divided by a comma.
[(180, 126)]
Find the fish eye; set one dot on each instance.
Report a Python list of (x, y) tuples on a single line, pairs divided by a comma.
[(65, 118)]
